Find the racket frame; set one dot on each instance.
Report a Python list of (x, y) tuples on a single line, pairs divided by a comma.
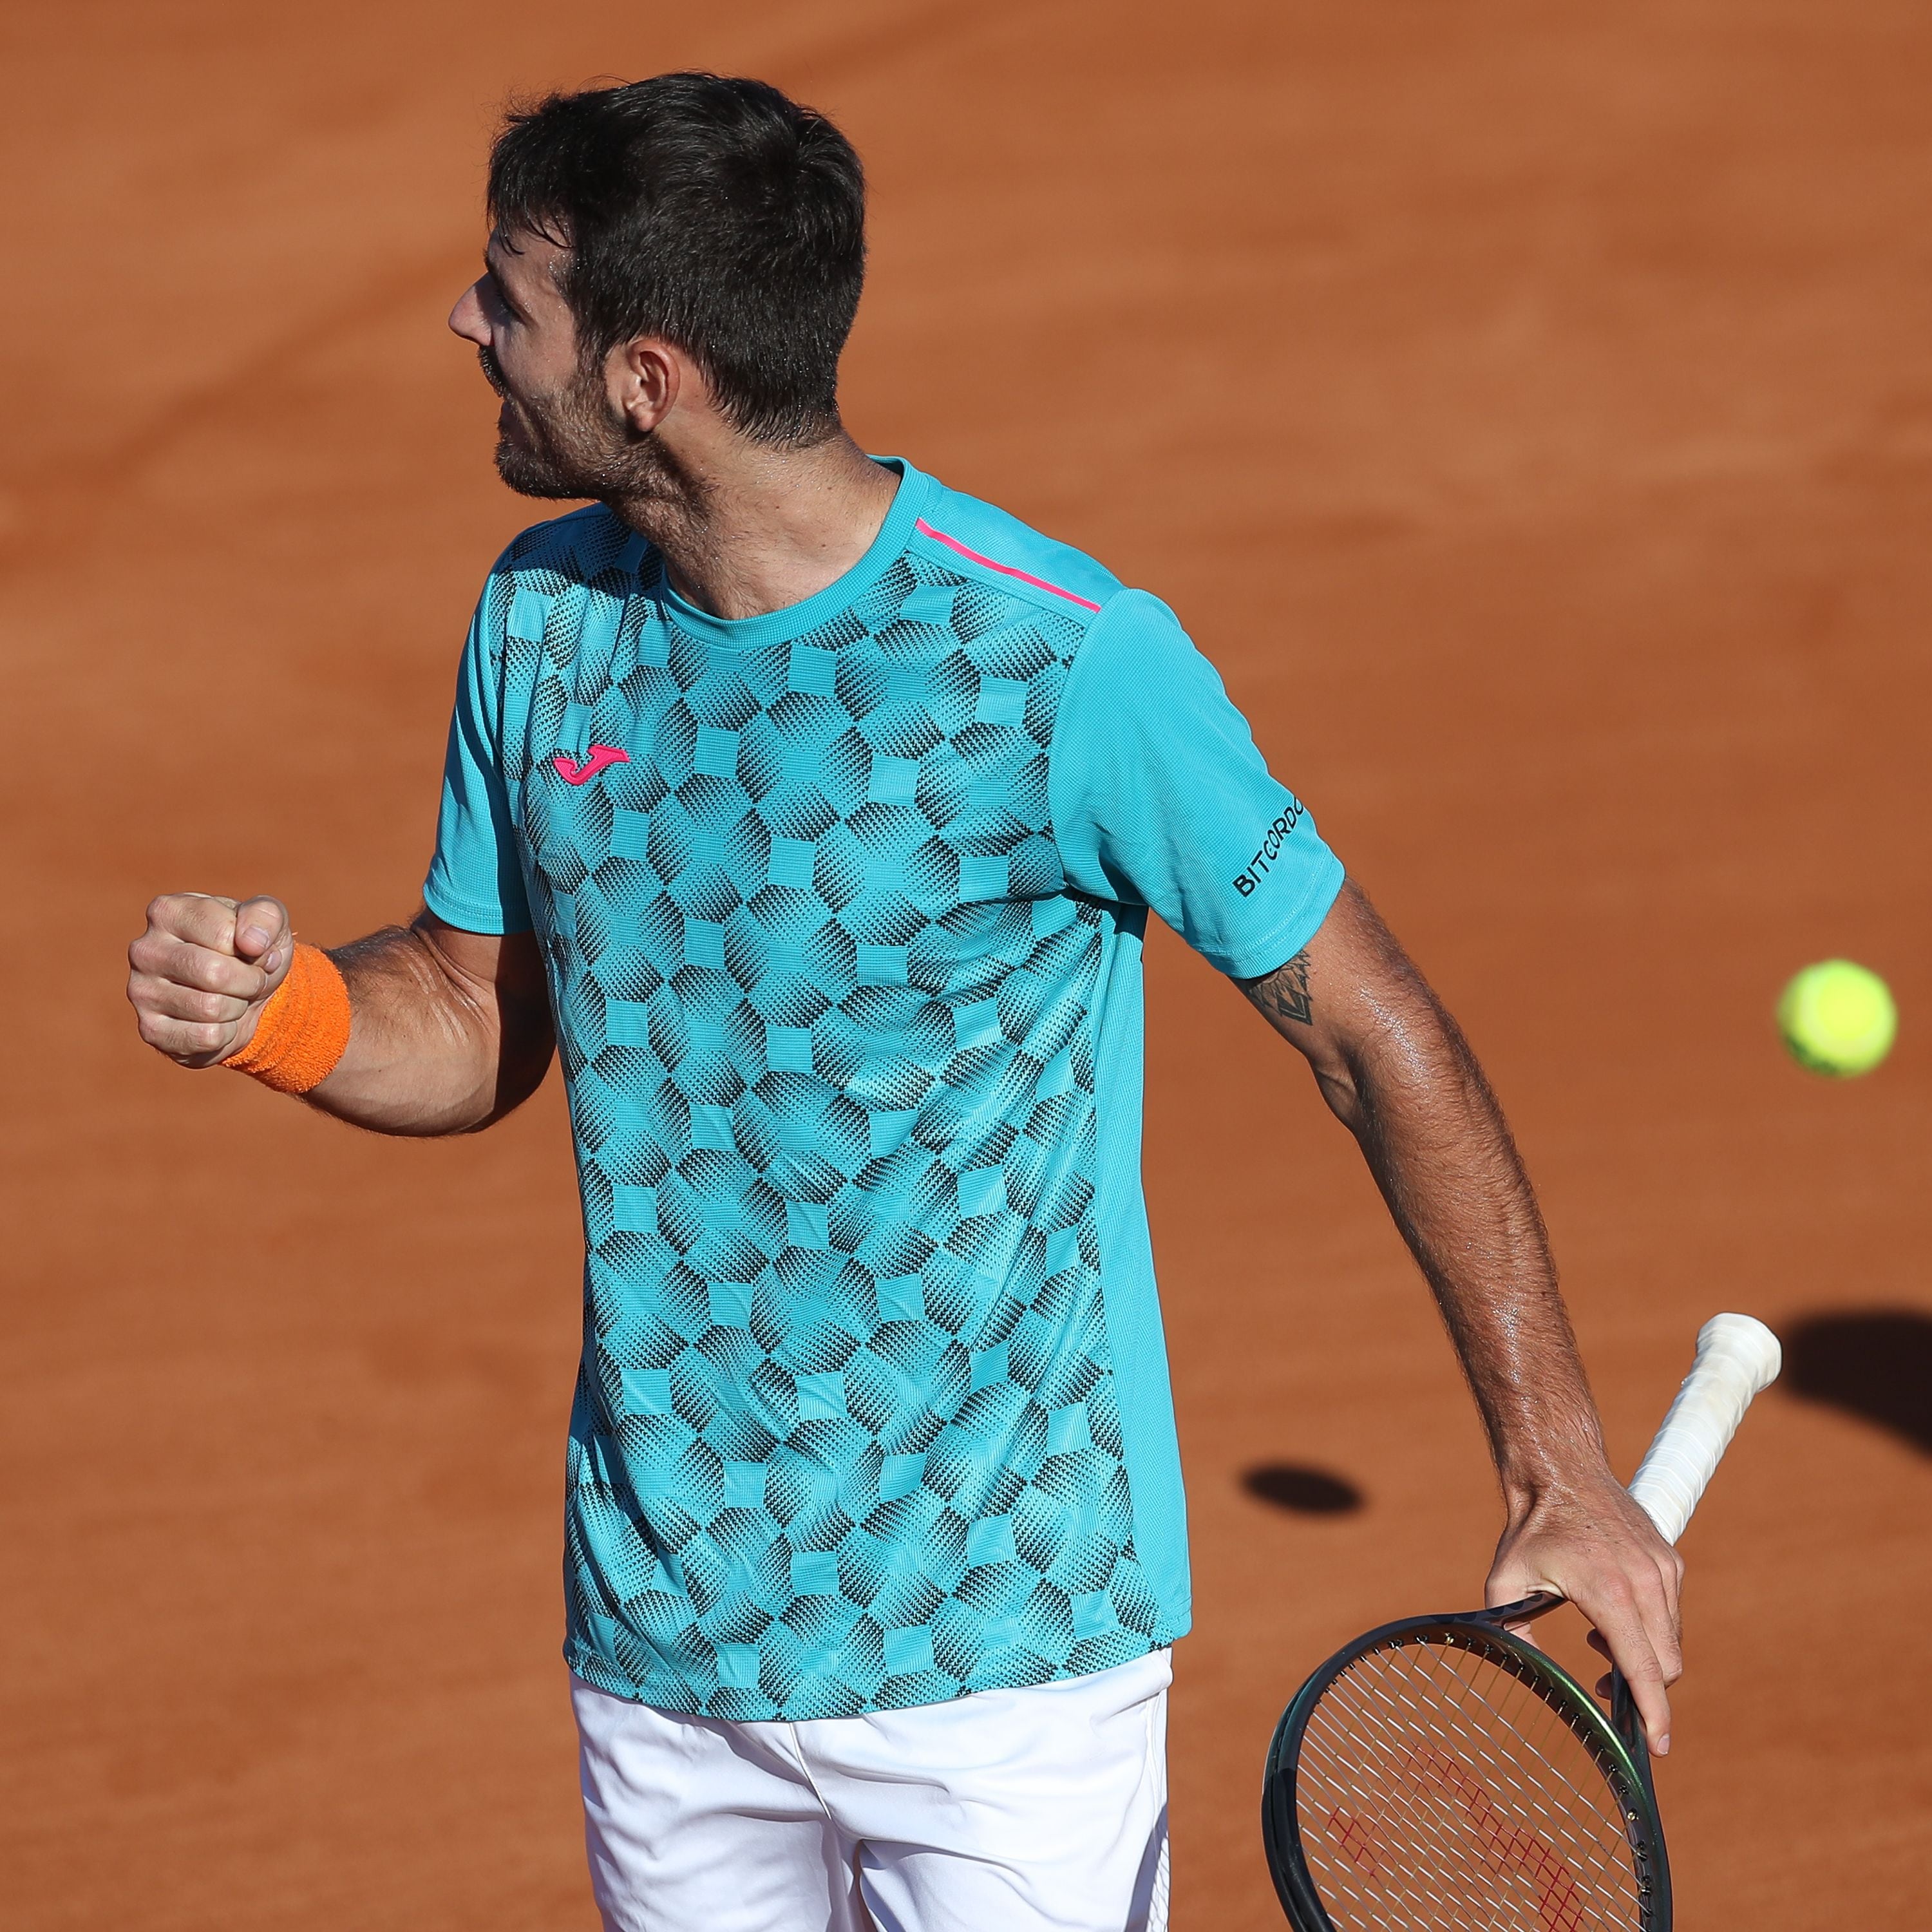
[(1615, 1743)]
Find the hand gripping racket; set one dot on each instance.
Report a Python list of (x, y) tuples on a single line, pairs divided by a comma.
[(1441, 1775)]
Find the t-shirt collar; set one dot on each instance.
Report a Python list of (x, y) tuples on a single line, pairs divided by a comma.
[(775, 627)]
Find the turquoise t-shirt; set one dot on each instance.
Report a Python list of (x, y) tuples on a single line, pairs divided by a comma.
[(842, 907)]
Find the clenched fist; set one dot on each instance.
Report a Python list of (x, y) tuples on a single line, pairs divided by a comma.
[(203, 971)]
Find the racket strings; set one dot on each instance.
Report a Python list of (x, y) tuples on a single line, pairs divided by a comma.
[(1438, 1781), (1450, 1784), (1437, 1791)]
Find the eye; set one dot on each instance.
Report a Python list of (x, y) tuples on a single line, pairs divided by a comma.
[(493, 289)]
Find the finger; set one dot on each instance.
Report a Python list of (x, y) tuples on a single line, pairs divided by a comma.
[(194, 1043), (1657, 1605), (1653, 1703), (200, 918), (260, 926), (167, 999), (1507, 1583), (275, 964), (1614, 1612), (1670, 1572), (204, 969)]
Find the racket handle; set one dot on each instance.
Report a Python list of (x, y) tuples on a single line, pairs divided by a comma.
[(1737, 1356)]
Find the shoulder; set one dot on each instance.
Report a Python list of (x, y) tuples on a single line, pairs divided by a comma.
[(1139, 678), (564, 550), (1121, 649), (1118, 626), (982, 542), (554, 563)]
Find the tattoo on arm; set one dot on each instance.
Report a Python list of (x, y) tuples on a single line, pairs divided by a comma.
[(1284, 994)]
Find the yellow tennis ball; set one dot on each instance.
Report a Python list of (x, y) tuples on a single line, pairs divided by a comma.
[(1837, 1018)]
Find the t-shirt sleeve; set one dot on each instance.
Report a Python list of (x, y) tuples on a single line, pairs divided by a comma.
[(475, 880), (1159, 798)]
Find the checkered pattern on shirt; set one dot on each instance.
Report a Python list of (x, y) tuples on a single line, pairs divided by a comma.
[(845, 1436)]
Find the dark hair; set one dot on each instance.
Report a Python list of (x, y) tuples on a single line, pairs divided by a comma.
[(714, 212)]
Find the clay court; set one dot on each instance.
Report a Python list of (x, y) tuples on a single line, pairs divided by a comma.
[(1530, 411)]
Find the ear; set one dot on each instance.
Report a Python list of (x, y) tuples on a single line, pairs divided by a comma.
[(645, 377)]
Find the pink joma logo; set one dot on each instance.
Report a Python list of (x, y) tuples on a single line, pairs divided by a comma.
[(601, 755)]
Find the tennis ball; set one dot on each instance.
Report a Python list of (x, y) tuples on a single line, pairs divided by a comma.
[(1837, 1018)]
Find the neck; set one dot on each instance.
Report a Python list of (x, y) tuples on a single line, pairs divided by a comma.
[(745, 529)]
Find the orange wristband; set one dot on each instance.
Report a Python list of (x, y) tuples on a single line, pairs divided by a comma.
[(304, 1029)]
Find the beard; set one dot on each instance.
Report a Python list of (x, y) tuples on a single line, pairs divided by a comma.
[(572, 444)]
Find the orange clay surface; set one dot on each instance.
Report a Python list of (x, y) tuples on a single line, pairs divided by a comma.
[(1530, 409)]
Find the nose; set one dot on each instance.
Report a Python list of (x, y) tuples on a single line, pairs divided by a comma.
[(467, 318)]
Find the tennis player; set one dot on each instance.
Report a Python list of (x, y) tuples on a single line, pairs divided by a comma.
[(813, 813)]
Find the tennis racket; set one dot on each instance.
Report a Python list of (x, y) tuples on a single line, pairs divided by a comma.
[(1441, 1775)]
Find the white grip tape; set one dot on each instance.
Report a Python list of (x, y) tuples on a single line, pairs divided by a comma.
[(1737, 1356)]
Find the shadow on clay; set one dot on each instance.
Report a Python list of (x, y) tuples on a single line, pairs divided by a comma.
[(1873, 1363), (1307, 1492)]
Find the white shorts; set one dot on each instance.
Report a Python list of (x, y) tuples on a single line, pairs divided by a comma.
[(1043, 1810)]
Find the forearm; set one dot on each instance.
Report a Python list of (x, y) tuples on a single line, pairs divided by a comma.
[(1396, 1070), (1441, 1153), (432, 1050)]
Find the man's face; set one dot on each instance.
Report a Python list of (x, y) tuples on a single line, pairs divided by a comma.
[(557, 435)]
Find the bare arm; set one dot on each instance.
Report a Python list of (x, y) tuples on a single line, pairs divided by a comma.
[(450, 1030), (1395, 1070)]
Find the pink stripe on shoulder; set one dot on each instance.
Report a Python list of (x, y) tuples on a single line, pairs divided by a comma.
[(1004, 569)]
